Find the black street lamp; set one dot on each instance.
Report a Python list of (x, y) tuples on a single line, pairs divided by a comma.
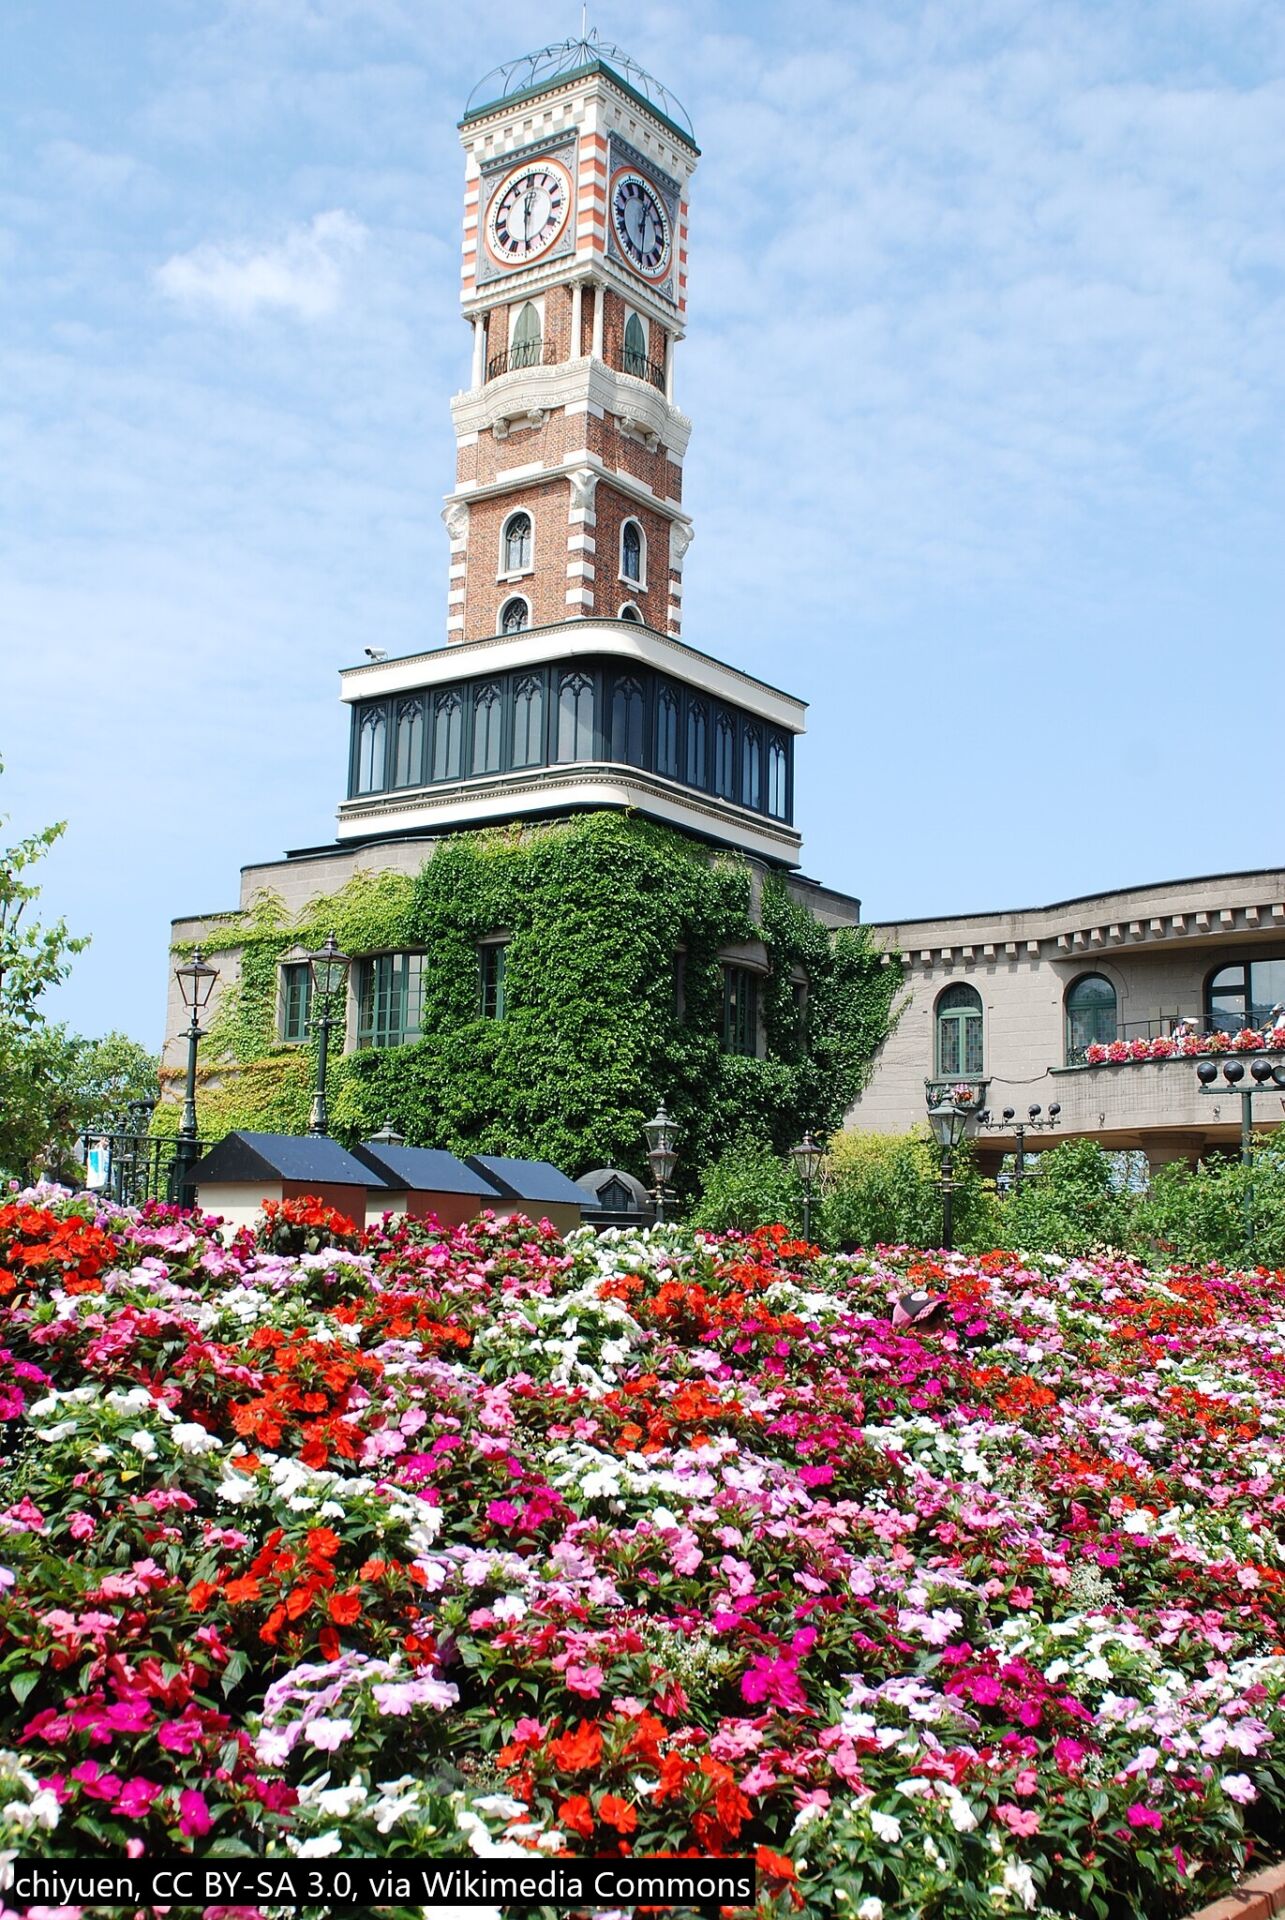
[(329, 969), (1036, 1121), (807, 1157), (196, 984), (1265, 1076), (951, 1118), (661, 1135)]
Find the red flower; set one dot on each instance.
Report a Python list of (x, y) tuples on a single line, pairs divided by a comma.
[(345, 1607), (577, 1814), (617, 1813)]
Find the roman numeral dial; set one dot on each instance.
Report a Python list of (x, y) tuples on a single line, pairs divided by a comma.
[(528, 212), (641, 224)]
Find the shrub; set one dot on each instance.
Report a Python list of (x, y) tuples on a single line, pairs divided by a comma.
[(1074, 1204), (1199, 1214), (881, 1189), (748, 1186)]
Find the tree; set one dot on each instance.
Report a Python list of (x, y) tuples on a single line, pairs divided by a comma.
[(34, 1058)]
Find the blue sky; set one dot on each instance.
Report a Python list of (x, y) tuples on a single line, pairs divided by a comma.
[(984, 363)]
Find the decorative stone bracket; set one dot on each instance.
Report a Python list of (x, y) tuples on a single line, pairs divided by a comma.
[(508, 423), (635, 429)]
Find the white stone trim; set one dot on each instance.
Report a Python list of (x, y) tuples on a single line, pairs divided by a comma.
[(500, 610), (537, 646), (544, 389)]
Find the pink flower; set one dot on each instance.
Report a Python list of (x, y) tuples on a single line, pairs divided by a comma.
[(136, 1797), (193, 1813), (775, 1680), (1140, 1816), (1023, 1821), (82, 1526), (1026, 1782), (586, 1680)]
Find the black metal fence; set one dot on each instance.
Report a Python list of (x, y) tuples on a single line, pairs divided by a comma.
[(131, 1168)]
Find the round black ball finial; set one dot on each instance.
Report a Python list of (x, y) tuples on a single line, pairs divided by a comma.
[(1261, 1070), (1207, 1072), (1234, 1072)]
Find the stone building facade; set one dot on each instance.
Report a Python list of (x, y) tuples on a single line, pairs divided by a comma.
[(1014, 1002)]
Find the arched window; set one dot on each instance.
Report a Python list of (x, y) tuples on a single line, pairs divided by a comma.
[(633, 552), (528, 722), (959, 1031), (1245, 995), (635, 347), (514, 615), (697, 739), (408, 752), (630, 612), (371, 739), (487, 712), (751, 767), (524, 347), (517, 543), (448, 736), (724, 757), (777, 794), (667, 733), (1090, 1015), (575, 718), (627, 722)]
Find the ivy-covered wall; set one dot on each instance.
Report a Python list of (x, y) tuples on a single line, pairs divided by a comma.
[(595, 912)]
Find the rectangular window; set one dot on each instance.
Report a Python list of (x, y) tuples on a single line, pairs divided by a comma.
[(296, 999), (740, 1010), (390, 1000), (491, 981)]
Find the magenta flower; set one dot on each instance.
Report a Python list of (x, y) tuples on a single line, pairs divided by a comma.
[(1140, 1816), (193, 1813)]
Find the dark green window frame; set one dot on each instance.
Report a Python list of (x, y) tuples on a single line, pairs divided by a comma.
[(390, 992), (1092, 1015), (960, 1048), (740, 1011), (491, 968), (296, 1001)]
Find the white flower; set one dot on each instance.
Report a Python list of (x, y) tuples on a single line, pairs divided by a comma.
[(870, 1909), (339, 1803), (142, 1442), (188, 1437), (317, 1848), (1017, 1879), (886, 1826), (511, 1607), (1239, 1786)]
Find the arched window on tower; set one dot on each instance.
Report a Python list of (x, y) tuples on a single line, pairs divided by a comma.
[(630, 612), (487, 712), (528, 722), (515, 614), (1091, 1011), (409, 754), (724, 758), (524, 347), (777, 792), (517, 543), (627, 722), (667, 733), (697, 744), (448, 736), (635, 347), (371, 742), (959, 1031), (575, 718), (751, 767), (633, 553)]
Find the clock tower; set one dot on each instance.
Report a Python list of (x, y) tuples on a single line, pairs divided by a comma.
[(568, 494), (563, 682)]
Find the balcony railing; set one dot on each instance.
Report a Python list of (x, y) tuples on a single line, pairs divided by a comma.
[(1165, 1026), (644, 369), (527, 353)]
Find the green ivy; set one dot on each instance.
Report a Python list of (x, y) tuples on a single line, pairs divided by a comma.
[(596, 912)]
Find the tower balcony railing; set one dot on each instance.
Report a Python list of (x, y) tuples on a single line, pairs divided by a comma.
[(527, 353), (644, 369)]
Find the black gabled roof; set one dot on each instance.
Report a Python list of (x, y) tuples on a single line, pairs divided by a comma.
[(534, 1180), (424, 1170), (285, 1156)]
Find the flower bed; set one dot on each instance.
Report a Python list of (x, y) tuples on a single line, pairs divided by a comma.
[(477, 1540), (1184, 1045)]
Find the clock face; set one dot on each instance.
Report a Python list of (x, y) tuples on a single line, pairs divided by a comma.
[(528, 212), (641, 224)]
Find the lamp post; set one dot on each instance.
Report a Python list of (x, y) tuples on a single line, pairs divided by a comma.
[(807, 1158), (329, 969), (1264, 1077), (951, 1118), (1036, 1121), (661, 1134), (196, 984)]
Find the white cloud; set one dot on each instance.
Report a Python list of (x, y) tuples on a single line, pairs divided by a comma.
[(303, 274)]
